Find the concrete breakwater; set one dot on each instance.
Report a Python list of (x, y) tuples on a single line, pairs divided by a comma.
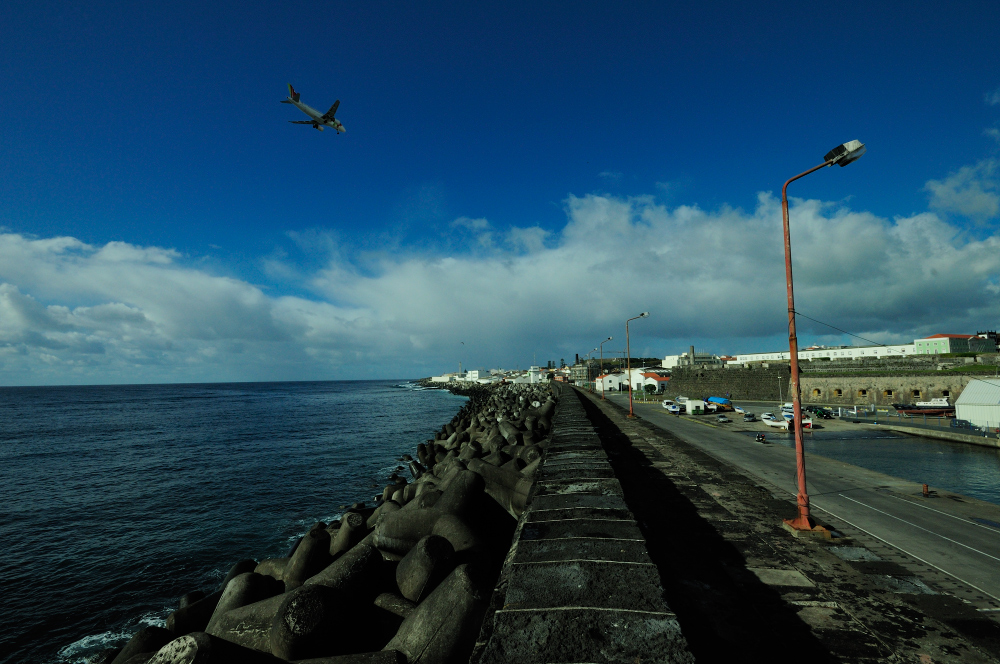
[(406, 580)]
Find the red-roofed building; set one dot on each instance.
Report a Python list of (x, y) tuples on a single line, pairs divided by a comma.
[(937, 344)]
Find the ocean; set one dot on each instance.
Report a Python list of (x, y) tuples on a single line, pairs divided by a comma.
[(118, 500)]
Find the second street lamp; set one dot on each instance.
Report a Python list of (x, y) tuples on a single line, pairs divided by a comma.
[(602, 366), (842, 155), (628, 353)]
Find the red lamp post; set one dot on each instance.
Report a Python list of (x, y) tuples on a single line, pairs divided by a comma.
[(628, 361), (842, 155), (602, 366)]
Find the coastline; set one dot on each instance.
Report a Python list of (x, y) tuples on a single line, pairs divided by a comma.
[(466, 488)]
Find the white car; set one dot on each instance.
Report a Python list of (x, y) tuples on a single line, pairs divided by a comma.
[(667, 403), (739, 409), (767, 416), (673, 409)]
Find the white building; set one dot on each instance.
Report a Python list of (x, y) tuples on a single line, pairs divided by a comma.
[(979, 403), (838, 353), (611, 382), (684, 360)]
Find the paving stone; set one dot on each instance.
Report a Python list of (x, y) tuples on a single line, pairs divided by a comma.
[(594, 528), (586, 636), (570, 500), (781, 577), (600, 487), (604, 585), (576, 473), (581, 549), (577, 513)]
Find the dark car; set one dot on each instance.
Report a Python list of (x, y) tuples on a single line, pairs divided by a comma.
[(965, 424), (749, 417)]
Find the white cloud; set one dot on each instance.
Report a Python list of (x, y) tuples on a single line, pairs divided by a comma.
[(970, 192), (472, 224), (72, 312), (611, 176), (993, 98)]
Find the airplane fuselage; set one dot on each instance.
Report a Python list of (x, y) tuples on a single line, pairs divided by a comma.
[(317, 116)]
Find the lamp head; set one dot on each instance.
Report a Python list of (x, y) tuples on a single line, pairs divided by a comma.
[(845, 154), (609, 338), (644, 314)]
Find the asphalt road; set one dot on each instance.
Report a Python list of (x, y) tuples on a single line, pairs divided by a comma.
[(936, 538)]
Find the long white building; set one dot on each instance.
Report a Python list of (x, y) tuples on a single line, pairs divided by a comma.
[(842, 353)]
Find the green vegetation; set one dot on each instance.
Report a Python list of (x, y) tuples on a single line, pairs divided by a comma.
[(975, 369)]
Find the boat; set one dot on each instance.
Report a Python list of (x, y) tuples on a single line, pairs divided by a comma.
[(807, 422), (937, 406), (770, 420)]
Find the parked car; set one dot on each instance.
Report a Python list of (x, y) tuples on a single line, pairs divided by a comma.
[(722, 418), (749, 417), (965, 424), (739, 409), (826, 415)]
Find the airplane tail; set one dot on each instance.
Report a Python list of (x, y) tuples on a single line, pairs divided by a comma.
[(292, 93)]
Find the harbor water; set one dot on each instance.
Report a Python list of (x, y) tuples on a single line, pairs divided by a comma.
[(118, 500), (966, 469)]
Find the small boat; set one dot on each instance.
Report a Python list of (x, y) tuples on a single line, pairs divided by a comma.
[(770, 420), (807, 423)]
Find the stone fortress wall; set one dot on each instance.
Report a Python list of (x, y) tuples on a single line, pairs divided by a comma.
[(880, 384)]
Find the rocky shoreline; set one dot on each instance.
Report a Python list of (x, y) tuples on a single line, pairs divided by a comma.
[(407, 580)]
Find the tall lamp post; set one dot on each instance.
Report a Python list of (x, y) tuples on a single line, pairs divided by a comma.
[(841, 155), (628, 351), (602, 366), (594, 350)]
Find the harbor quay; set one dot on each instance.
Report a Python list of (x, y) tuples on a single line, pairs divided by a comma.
[(541, 524)]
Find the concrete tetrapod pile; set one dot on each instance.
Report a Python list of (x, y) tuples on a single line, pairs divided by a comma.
[(406, 581)]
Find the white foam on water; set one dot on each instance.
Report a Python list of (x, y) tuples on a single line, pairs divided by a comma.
[(80, 651)]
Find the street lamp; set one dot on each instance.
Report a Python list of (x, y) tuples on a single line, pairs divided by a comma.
[(628, 359), (842, 155), (602, 366), (588, 370)]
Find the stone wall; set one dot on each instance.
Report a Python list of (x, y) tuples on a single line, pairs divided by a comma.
[(756, 384), (771, 384), (881, 390)]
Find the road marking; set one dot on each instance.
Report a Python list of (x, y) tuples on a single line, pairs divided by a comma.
[(926, 530), (912, 555), (962, 519)]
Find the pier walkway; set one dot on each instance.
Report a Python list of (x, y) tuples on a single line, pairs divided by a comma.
[(736, 582)]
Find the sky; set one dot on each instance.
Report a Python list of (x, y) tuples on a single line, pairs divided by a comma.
[(516, 180)]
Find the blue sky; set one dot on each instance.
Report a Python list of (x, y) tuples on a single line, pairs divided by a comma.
[(517, 177)]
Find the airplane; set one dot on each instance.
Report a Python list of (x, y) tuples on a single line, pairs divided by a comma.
[(319, 120)]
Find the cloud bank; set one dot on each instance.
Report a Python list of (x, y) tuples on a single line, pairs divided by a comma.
[(77, 313)]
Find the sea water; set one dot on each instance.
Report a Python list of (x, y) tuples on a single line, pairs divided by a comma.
[(117, 500)]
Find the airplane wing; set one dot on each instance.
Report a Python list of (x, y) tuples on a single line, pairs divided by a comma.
[(333, 110)]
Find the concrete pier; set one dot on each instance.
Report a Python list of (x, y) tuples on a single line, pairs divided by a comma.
[(579, 584)]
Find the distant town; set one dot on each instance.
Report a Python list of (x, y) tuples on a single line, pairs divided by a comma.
[(652, 374)]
